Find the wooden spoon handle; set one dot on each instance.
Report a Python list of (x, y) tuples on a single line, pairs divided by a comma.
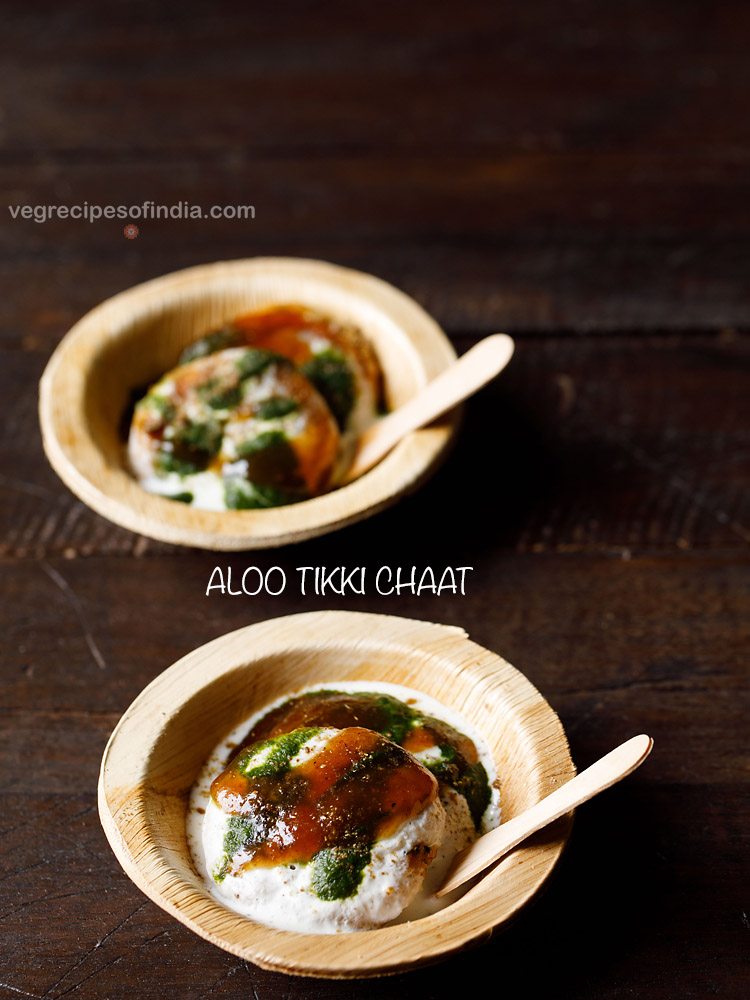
[(474, 369), (614, 766)]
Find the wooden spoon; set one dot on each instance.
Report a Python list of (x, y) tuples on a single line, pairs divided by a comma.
[(474, 369), (613, 767)]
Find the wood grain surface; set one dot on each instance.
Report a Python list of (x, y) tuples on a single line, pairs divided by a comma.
[(577, 177)]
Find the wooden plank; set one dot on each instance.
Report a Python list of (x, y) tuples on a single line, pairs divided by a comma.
[(579, 181), (590, 631), (603, 444), (661, 897), (522, 242), (660, 76), (586, 175)]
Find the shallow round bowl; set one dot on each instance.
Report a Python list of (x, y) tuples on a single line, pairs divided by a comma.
[(159, 746), (127, 342)]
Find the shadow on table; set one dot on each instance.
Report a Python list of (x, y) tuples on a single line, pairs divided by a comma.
[(500, 466), (594, 914)]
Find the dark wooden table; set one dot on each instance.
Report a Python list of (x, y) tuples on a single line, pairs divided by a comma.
[(577, 175)]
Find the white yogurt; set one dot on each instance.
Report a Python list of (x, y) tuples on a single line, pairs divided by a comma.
[(392, 890)]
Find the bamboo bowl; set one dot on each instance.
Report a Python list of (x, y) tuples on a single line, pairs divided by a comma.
[(157, 749), (128, 341)]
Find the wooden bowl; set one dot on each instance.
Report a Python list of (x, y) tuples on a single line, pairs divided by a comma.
[(157, 749), (128, 341)]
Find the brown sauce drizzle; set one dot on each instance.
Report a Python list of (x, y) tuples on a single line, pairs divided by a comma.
[(287, 330), (356, 790), (382, 713), (278, 329), (458, 765)]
